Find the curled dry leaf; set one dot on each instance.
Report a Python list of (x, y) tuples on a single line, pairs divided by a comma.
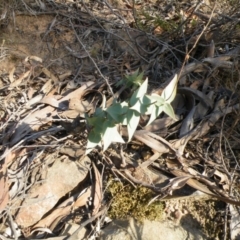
[(47, 87), (4, 196), (197, 95), (83, 198), (69, 114), (64, 209), (211, 50), (4, 188), (206, 187), (80, 106), (221, 61), (192, 67), (187, 123), (35, 58), (98, 195), (17, 82), (50, 75), (35, 120), (34, 101), (78, 93), (223, 177), (11, 75), (31, 122), (52, 101), (65, 75), (234, 222), (174, 184), (143, 136), (160, 124)]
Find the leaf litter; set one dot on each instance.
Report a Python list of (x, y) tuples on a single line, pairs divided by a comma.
[(46, 96)]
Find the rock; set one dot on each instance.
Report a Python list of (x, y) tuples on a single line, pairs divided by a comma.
[(62, 177), (150, 230)]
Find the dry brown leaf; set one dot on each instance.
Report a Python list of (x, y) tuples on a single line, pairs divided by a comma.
[(98, 195), (204, 188), (74, 150), (32, 122), (34, 100), (4, 196), (234, 222), (64, 209), (83, 199), (30, 92), (52, 101), (17, 82), (17, 153), (142, 135), (174, 184), (223, 177), (78, 93), (79, 105), (35, 120), (191, 67), (47, 87), (158, 30), (65, 75), (4, 189), (50, 75), (70, 114), (211, 50), (203, 98), (33, 61), (11, 73), (196, 84), (187, 123), (35, 58), (160, 124), (152, 159), (221, 61)]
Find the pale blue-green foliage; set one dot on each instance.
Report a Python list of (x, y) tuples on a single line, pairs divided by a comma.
[(106, 121), (134, 80)]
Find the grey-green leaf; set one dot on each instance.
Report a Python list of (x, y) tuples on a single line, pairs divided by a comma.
[(156, 111), (170, 90), (133, 118), (111, 135), (94, 139), (167, 108)]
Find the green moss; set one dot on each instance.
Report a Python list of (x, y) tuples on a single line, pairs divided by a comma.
[(127, 201), (208, 215)]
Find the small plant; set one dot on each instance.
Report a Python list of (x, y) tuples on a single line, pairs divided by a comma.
[(105, 122), (134, 80)]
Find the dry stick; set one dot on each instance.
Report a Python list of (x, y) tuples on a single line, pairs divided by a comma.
[(12, 225), (114, 12), (116, 170), (141, 183), (197, 40), (225, 168), (33, 136), (122, 39), (226, 221), (221, 136), (105, 79)]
